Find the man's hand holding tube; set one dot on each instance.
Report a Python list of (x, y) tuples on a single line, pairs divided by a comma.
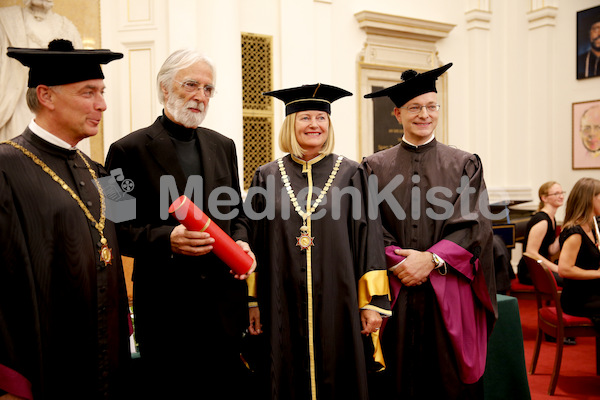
[(193, 243), (190, 243)]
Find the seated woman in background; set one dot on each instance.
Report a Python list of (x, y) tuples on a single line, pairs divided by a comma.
[(541, 240), (579, 262)]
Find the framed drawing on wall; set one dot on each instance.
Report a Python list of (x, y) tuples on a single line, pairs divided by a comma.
[(586, 135), (588, 43)]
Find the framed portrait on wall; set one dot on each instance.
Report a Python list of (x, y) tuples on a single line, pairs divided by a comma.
[(588, 43), (586, 135)]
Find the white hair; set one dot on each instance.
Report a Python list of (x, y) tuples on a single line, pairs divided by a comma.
[(177, 61)]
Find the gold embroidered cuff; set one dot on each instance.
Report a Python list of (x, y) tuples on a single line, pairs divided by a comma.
[(373, 283), (251, 283)]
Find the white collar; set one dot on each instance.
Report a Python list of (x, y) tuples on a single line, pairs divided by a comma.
[(49, 137), (414, 145)]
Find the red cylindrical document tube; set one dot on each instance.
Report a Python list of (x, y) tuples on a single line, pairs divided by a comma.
[(186, 212)]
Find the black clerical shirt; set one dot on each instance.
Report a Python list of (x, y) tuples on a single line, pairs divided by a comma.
[(186, 145)]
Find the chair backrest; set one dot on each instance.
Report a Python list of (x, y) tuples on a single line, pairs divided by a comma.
[(543, 280)]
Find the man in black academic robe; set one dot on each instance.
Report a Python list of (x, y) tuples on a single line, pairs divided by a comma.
[(190, 312), (64, 327), (443, 292)]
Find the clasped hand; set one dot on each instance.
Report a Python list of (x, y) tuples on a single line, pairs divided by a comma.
[(415, 268)]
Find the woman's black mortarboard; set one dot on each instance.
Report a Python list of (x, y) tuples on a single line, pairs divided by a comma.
[(316, 97), (413, 84), (60, 63)]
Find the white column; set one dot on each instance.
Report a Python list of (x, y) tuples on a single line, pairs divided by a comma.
[(478, 84), (541, 121), (217, 34)]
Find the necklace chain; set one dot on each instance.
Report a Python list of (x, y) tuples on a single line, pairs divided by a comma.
[(288, 185), (99, 225)]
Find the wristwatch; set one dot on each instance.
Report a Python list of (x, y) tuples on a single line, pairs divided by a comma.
[(438, 262), (440, 265)]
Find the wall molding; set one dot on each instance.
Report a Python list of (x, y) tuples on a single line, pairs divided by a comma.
[(394, 44), (478, 19), (542, 17)]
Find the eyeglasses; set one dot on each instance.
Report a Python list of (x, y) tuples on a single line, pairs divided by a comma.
[(415, 109), (587, 129), (556, 194), (192, 86)]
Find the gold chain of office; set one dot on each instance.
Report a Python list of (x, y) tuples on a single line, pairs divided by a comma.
[(305, 240), (105, 251)]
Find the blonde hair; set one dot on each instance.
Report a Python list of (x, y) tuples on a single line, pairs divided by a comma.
[(289, 144), (580, 203), (543, 191)]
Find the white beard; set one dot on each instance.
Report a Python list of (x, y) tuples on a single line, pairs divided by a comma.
[(182, 115)]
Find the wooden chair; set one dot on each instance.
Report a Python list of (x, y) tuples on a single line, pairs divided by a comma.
[(553, 321)]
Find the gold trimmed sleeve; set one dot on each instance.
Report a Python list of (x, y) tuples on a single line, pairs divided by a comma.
[(252, 293), (377, 353), (374, 284)]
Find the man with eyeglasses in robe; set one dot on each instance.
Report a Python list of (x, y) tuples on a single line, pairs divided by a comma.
[(190, 311), (439, 254), (64, 327)]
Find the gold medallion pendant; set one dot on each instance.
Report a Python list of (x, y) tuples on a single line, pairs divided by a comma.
[(304, 240), (105, 253)]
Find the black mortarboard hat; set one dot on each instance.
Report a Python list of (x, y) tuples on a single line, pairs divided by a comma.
[(309, 97), (413, 84), (60, 63)]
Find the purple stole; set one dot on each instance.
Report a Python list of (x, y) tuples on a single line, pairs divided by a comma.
[(14, 383), (463, 299)]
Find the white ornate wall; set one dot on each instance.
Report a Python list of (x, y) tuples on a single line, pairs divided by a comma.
[(509, 92)]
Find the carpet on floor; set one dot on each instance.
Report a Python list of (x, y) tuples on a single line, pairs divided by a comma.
[(577, 379)]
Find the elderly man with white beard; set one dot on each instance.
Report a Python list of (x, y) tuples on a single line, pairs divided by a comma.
[(190, 312)]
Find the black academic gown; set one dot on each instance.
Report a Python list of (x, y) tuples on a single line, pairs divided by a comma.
[(190, 313), (544, 250), (344, 266), (64, 325), (417, 348), (582, 297)]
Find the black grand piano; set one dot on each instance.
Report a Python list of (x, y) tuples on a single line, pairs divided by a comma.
[(510, 221), (509, 225)]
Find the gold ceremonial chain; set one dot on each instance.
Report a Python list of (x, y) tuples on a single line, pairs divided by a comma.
[(305, 240), (105, 251)]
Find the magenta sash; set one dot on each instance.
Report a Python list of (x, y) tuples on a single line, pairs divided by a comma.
[(463, 299), (14, 383)]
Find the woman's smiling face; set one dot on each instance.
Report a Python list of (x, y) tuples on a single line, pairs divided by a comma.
[(312, 130)]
